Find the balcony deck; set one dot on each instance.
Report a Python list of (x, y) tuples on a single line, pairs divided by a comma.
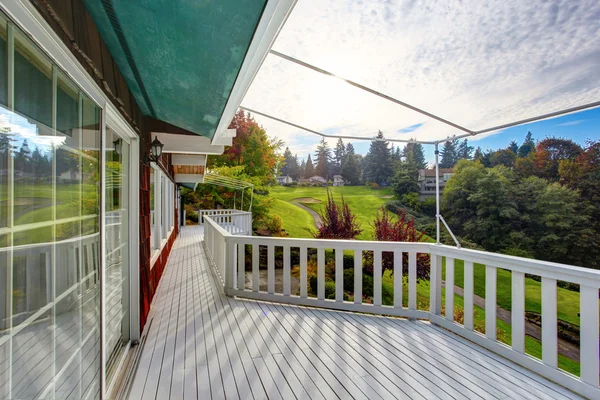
[(201, 344)]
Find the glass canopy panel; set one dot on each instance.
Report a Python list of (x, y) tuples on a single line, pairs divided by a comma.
[(328, 105), (478, 64), (180, 58)]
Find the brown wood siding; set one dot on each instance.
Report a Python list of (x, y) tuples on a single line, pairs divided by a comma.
[(71, 21)]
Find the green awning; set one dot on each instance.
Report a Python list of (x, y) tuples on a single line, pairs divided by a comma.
[(180, 58)]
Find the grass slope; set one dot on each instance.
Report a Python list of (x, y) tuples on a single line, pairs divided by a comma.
[(364, 201)]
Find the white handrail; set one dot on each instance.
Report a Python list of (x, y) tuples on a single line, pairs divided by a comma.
[(235, 256)]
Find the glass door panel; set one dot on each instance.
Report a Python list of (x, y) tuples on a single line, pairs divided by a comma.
[(117, 248)]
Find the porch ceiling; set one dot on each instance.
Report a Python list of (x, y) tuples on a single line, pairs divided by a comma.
[(180, 58)]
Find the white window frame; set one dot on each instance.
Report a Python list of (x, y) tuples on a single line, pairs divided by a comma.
[(163, 213)]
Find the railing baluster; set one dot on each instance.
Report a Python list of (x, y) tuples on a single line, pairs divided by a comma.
[(412, 280), (255, 268), (468, 296), (358, 276), (398, 279), (490, 302), (321, 273), (271, 269), (377, 277), (303, 273), (588, 301), (339, 274), (286, 271), (241, 266), (450, 289), (518, 311), (549, 329)]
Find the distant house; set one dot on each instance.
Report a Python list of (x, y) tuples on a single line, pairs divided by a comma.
[(284, 180), (317, 180), (427, 181), (338, 180)]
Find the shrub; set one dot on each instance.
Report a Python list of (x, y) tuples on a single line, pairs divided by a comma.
[(401, 230), (338, 221), (275, 224), (372, 185)]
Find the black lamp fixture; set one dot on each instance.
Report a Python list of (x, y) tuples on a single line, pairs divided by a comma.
[(156, 148), (118, 146), (155, 151)]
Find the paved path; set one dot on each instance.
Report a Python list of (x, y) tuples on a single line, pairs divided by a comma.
[(315, 215), (565, 348)]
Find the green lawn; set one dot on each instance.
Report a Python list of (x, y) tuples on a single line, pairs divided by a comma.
[(567, 300), (532, 346), (296, 221), (364, 201)]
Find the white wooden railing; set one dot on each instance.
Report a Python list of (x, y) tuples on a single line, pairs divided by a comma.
[(235, 222), (228, 253)]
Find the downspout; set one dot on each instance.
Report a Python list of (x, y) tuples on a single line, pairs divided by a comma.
[(437, 194)]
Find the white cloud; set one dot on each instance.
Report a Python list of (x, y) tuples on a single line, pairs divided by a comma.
[(479, 64), (572, 123)]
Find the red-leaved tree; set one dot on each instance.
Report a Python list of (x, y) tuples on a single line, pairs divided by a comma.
[(401, 229), (337, 221)]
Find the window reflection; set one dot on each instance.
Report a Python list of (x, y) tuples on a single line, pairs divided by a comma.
[(49, 230)]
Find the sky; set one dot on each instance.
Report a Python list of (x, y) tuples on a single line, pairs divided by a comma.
[(477, 64)]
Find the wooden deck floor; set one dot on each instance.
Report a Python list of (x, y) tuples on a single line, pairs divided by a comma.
[(203, 345)]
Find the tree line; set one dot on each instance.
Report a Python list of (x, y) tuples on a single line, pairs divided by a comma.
[(539, 200)]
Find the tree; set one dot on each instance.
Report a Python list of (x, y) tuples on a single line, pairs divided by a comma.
[(287, 164), (251, 148), (309, 170), (548, 154), (479, 156), (502, 157), (414, 155), (323, 157), (449, 154), (513, 146), (400, 230), (302, 169), (404, 182), (339, 155), (378, 162), (527, 147), (337, 221), (464, 151), (351, 165)]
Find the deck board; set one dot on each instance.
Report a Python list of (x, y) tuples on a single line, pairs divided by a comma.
[(201, 344)]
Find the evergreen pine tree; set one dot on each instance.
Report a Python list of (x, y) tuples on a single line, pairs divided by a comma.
[(378, 162), (414, 155), (464, 151), (351, 165), (513, 146), (309, 170), (323, 158), (339, 153), (449, 154), (527, 147)]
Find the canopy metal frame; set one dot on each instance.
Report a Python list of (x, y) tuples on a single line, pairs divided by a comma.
[(467, 132), (212, 178)]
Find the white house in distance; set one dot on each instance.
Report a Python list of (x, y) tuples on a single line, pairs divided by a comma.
[(427, 181), (284, 179), (338, 180)]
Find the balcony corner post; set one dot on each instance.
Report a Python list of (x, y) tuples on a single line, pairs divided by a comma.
[(435, 290), (229, 266)]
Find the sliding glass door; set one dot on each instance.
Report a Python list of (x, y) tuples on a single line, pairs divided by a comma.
[(116, 316), (50, 134)]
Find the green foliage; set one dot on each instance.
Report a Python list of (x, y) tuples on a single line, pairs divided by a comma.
[(527, 147), (378, 161), (275, 224), (309, 169), (323, 158), (449, 154), (351, 165)]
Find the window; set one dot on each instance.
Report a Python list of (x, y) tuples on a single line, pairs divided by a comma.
[(50, 134), (162, 209)]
